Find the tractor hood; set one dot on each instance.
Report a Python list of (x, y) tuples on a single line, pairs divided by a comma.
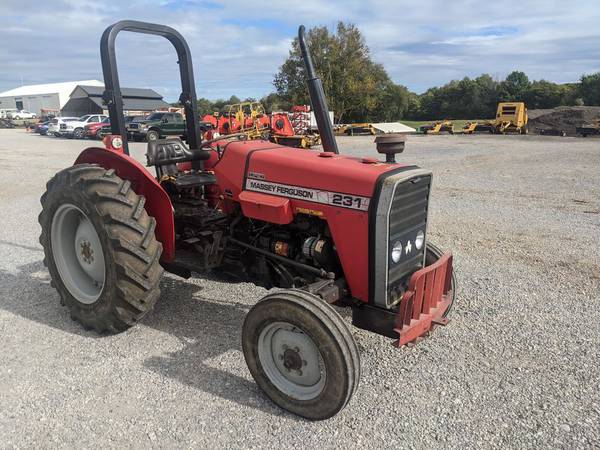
[(297, 173)]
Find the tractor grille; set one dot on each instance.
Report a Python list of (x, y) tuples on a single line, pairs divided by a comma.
[(400, 210), (408, 216)]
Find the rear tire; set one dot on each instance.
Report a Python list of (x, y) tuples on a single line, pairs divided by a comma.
[(88, 200), (78, 133), (301, 354)]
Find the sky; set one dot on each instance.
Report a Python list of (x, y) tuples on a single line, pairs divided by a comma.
[(238, 46)]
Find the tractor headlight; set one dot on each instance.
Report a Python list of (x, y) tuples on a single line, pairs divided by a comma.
[(396, 251), (419, 240)]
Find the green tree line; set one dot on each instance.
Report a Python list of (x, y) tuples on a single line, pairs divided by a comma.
[(360, 90)]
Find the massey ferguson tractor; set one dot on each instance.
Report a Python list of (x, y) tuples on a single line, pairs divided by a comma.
[(324, 229)]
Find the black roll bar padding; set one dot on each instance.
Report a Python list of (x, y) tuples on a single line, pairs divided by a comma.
[(112, 94), (317, 98)]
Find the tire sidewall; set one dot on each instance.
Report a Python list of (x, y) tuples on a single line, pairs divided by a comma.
[(333, 396), (77, 197), (152, 133)]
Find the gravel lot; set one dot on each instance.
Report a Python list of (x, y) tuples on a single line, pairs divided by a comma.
[(516, 367)]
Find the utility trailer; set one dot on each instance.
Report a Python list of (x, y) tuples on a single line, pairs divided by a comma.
[(590, 129), (328, 230)]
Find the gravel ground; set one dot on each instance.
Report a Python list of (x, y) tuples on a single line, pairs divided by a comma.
[(516, 367)]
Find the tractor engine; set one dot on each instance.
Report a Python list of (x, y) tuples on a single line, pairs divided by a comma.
[(207, 237), (281, 256)]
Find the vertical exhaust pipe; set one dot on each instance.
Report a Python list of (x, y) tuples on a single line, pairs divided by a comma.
[(317, 98)]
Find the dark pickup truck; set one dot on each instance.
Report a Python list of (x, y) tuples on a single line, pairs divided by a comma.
[(157, 126)]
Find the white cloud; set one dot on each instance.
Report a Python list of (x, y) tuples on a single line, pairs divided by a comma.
[(237, 46)]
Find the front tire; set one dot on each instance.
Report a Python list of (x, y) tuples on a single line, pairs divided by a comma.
[(432, 254), (100, 248), (301, 354), (152, 136), (78, 133)]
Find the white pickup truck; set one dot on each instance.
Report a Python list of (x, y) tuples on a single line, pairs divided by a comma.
[(76, 128), (56, 124)]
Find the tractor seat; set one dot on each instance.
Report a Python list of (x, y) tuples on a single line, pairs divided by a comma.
[(172, 151), (193, 179), (165, 154)]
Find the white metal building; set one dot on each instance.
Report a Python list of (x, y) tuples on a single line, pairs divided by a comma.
[(36, 97)]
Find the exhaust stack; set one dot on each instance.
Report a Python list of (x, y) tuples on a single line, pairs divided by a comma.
[(317, 98)]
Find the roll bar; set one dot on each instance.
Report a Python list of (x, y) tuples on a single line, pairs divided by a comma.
[(112, 93), (317, 98)]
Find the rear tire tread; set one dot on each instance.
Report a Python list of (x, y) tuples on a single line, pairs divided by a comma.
[(126, 225)]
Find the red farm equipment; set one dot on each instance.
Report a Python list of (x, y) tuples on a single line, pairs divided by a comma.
[(326, 229), (249, 120)]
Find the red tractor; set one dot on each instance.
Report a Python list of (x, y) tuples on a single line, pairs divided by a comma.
[(328, 230)]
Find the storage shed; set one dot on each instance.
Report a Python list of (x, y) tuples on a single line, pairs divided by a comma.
[(88, 100)]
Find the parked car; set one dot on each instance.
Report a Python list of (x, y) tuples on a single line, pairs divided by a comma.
[(102, 129), (76, 128), (91, 129), (156, 126), (42, 128), (54, 127), (23, 114)]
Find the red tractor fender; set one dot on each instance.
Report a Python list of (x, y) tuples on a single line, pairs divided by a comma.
[(158, 204)]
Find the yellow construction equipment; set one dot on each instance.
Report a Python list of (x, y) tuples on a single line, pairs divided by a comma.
[(438, 127), (511, 117)]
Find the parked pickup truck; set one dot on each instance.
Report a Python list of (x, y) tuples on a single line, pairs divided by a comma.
[(57, 124), (98, 131), (156, 126)]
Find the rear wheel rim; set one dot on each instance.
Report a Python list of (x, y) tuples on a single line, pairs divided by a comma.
[(291, 361), (77, 253)]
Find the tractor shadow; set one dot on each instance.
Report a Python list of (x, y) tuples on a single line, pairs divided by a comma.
[(210, 358), (26, 292)]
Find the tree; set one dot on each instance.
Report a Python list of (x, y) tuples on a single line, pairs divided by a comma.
[(544, 94), (205, 106), (514, 87), (353, 83), (273, 102), (589, 89), (392, 103)]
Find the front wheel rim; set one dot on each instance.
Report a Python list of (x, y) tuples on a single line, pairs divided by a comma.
[(291, 361), (77, 253)]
